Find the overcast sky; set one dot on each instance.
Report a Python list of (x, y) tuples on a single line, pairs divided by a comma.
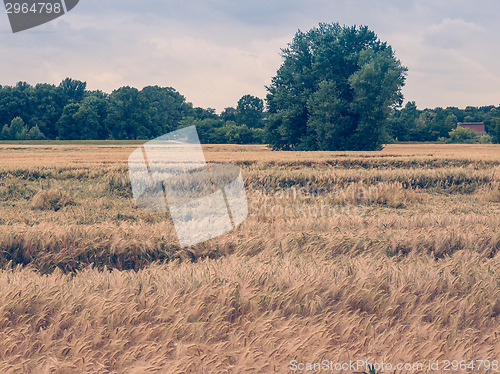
[(215, 51)]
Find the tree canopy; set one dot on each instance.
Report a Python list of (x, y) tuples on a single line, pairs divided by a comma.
[(334, 90)]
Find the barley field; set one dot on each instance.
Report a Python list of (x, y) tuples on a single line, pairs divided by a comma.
[(389, 256)]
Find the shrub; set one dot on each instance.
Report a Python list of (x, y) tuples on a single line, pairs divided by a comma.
[(463, 135), (485, 139)]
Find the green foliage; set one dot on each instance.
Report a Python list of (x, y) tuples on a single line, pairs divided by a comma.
[(166, 108), (209, 129), (16, 128), (235, 134), (66, 127), (259, 136), (72, 90), (35, 134), (228, 114), (69, 111), (90, 118), (250, 112), (19, 131), (411, 124), (128, 116), (496, 129), (5, 134), (334, 90), (216, 131), (450, 122), (47, 103), (485, 139), (463, 135)]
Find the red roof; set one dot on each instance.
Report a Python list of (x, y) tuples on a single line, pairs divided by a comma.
[(476, 126)]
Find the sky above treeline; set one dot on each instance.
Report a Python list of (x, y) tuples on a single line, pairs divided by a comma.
[(215, 51)]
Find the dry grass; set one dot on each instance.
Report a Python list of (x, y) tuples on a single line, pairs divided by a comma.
[(250, 314), (490, 193), (390, 255), (51, 200)]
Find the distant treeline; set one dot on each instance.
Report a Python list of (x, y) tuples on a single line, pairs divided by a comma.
[(430, 125), (71, 112)]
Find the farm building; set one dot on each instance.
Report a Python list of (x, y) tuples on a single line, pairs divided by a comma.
[(476, 126)]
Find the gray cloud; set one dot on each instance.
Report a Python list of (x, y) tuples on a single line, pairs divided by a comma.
[(454, 33)]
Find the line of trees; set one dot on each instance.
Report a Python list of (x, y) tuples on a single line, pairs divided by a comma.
[(410, 124), (71, 112)]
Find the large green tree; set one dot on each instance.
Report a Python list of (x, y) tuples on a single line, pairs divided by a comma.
[(334, 90)]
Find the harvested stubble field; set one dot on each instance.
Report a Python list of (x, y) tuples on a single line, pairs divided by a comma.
[(386, 256)]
